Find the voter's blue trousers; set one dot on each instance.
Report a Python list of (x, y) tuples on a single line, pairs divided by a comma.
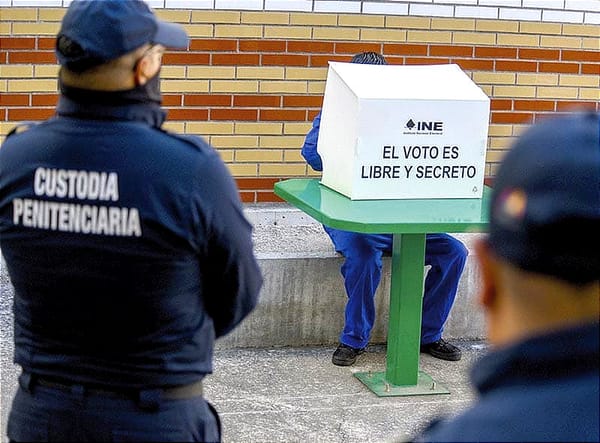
[(362, 273)]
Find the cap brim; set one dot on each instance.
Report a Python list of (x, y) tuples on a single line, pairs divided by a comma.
[(171, 35)]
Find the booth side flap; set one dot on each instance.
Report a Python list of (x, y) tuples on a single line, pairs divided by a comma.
[(414, 82)]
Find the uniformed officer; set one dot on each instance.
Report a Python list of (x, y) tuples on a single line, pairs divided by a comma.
[(127, 245), (540, 292)]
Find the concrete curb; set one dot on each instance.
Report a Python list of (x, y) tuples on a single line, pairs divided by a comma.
[(303, 298)]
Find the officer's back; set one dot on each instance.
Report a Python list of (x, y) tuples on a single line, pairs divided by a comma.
[(127, 245)]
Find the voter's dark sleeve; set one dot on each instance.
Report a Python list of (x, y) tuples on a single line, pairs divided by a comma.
[(309, 149)]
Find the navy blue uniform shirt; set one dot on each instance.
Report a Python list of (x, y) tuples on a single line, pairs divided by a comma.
[(545, 388), (127, 247)]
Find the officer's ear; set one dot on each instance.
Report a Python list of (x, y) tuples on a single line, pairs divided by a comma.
[(490, 293), (148, 65), (141, 71), (489, 275)]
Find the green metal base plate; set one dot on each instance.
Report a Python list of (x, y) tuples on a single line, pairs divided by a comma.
[(377, 383)]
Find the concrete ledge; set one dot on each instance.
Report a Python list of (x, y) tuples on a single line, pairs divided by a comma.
[(303, 297)]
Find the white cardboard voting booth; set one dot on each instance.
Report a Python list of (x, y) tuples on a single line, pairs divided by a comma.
[(403, 132)]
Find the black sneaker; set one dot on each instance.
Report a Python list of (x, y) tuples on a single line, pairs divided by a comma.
[(346, 355), (442, 349)]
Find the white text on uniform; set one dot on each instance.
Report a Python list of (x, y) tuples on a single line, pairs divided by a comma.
[(83, 185)]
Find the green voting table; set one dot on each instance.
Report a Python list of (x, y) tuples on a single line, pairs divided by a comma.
[(409, 221)]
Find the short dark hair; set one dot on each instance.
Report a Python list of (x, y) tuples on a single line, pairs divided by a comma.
[(369, 58)]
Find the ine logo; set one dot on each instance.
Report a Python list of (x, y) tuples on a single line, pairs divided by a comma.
[(424, 127)]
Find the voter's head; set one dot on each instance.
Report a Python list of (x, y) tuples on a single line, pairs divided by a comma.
[(369, 58)]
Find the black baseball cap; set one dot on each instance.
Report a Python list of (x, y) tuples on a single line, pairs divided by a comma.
[(545, 211), (94, 32)]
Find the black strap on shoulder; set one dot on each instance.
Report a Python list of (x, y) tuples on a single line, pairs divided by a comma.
[(21, 127)]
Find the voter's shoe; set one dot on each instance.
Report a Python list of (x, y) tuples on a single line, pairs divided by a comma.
[(442, 349), (346, 355)]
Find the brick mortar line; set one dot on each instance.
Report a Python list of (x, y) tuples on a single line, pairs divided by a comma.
[(341, 19), (300, 49), (522, 105)]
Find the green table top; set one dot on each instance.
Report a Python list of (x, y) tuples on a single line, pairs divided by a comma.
[(386, 216)]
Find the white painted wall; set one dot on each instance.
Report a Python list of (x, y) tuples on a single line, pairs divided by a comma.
[(561, 11)]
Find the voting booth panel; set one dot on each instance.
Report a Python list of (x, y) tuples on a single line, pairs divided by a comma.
[(403, 132)]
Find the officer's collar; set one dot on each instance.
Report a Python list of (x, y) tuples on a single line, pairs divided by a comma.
[(133, 105), (561, 353)]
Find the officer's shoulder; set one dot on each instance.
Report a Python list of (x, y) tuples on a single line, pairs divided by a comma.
[(22, 127), (192, 140)]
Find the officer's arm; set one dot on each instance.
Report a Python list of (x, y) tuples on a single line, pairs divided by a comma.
[(309, 149), (232, 278)]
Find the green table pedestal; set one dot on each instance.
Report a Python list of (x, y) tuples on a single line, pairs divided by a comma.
[(402, 376), (377, 383)]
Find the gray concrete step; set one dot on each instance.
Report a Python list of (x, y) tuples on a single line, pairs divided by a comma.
[(303, 298)]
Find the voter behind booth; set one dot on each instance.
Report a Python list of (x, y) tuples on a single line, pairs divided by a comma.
[(126, 245), (363, 266), (540, 293)]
